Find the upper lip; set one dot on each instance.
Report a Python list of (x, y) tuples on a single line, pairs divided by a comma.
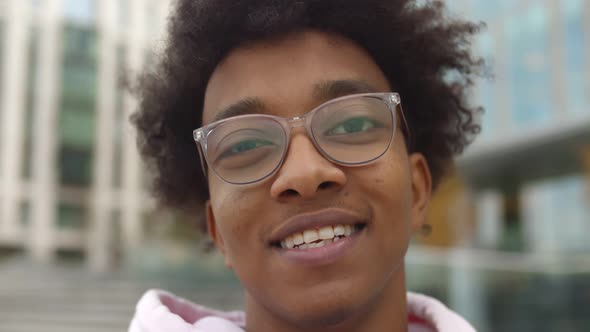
[(311, 220)]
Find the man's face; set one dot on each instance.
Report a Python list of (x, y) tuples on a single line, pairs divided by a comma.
[(382, 202)]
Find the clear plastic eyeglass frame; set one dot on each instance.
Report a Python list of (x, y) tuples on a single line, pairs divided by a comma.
[(391, 99)]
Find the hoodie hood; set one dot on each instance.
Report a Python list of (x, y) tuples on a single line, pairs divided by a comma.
[(161, 311)]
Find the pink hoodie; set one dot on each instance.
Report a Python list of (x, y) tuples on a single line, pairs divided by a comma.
[(160, 311)]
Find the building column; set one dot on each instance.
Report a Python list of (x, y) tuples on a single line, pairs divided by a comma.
[(131, 207), (99, 232), (44, 152), (12, 116), (490, 214)]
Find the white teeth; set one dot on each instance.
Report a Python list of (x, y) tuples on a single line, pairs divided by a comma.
[(347, 230), (289, 242), (308, 238), (326, 232), (298, 239), (310, 235)]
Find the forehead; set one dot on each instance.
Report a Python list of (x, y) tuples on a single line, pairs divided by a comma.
[(283, 73)]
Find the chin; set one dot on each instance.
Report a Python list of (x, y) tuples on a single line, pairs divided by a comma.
[(330, 307), (322, 314)]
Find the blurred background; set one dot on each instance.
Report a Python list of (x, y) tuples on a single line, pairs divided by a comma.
[(81, 240)]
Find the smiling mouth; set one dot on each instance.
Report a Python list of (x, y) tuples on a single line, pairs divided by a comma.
[(318, 237)]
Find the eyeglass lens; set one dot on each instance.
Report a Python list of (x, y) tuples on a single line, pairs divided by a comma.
[(349, 132)]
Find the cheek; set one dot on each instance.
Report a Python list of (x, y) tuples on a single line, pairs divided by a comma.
[(396, 179), (389, 191), (236, 210), (223, 209), (238, 219), (229, 202), (390, 183)]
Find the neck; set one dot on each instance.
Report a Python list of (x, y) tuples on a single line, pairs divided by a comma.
[(386, 312)]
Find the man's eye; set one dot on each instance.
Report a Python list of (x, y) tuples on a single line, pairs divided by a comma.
[(245, 146), (352, 126)]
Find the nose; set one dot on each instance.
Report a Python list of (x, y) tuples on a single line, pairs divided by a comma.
[(305, 172)]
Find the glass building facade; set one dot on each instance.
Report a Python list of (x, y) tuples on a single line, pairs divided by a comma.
[(537, 119), (71, 179), (517, 260)]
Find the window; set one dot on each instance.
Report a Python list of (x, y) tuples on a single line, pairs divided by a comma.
[(492, 10), (77, 109), (71, 216), (77, 128), (558, 199), (75, 166), (528, 41), (576, 81)]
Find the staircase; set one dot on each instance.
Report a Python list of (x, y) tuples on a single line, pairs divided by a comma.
[(62, 298)]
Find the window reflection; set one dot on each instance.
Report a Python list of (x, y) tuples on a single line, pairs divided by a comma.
[(576, 96), (71, 216), (528, 40), (77, 111)]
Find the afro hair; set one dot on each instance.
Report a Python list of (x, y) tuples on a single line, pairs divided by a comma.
[(422, 50)]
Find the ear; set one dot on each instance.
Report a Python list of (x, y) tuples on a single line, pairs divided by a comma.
[(214, 232), (421, 190)]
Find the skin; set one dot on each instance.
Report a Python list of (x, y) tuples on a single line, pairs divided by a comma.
[(365, 289)]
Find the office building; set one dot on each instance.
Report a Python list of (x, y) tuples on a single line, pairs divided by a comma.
[(71, 182)]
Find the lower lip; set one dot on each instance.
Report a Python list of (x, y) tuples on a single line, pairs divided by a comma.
[(327, 254)]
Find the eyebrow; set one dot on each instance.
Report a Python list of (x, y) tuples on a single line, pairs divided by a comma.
[(327, 90), (322, 92), (245, 106)]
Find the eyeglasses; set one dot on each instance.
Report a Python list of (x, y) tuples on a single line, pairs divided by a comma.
[(354, 130)]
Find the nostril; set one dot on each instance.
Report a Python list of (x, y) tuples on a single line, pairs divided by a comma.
[(289, 193), (326, 185)]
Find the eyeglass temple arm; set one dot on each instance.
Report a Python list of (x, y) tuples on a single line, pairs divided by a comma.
[(406, 128), (202, 158)]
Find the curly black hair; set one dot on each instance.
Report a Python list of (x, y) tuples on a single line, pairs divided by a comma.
[(422, 50)]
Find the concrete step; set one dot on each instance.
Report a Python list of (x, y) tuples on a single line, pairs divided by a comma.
[(68, 299)]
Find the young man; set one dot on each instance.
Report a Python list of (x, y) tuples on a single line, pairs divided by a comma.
[(282, 120)]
